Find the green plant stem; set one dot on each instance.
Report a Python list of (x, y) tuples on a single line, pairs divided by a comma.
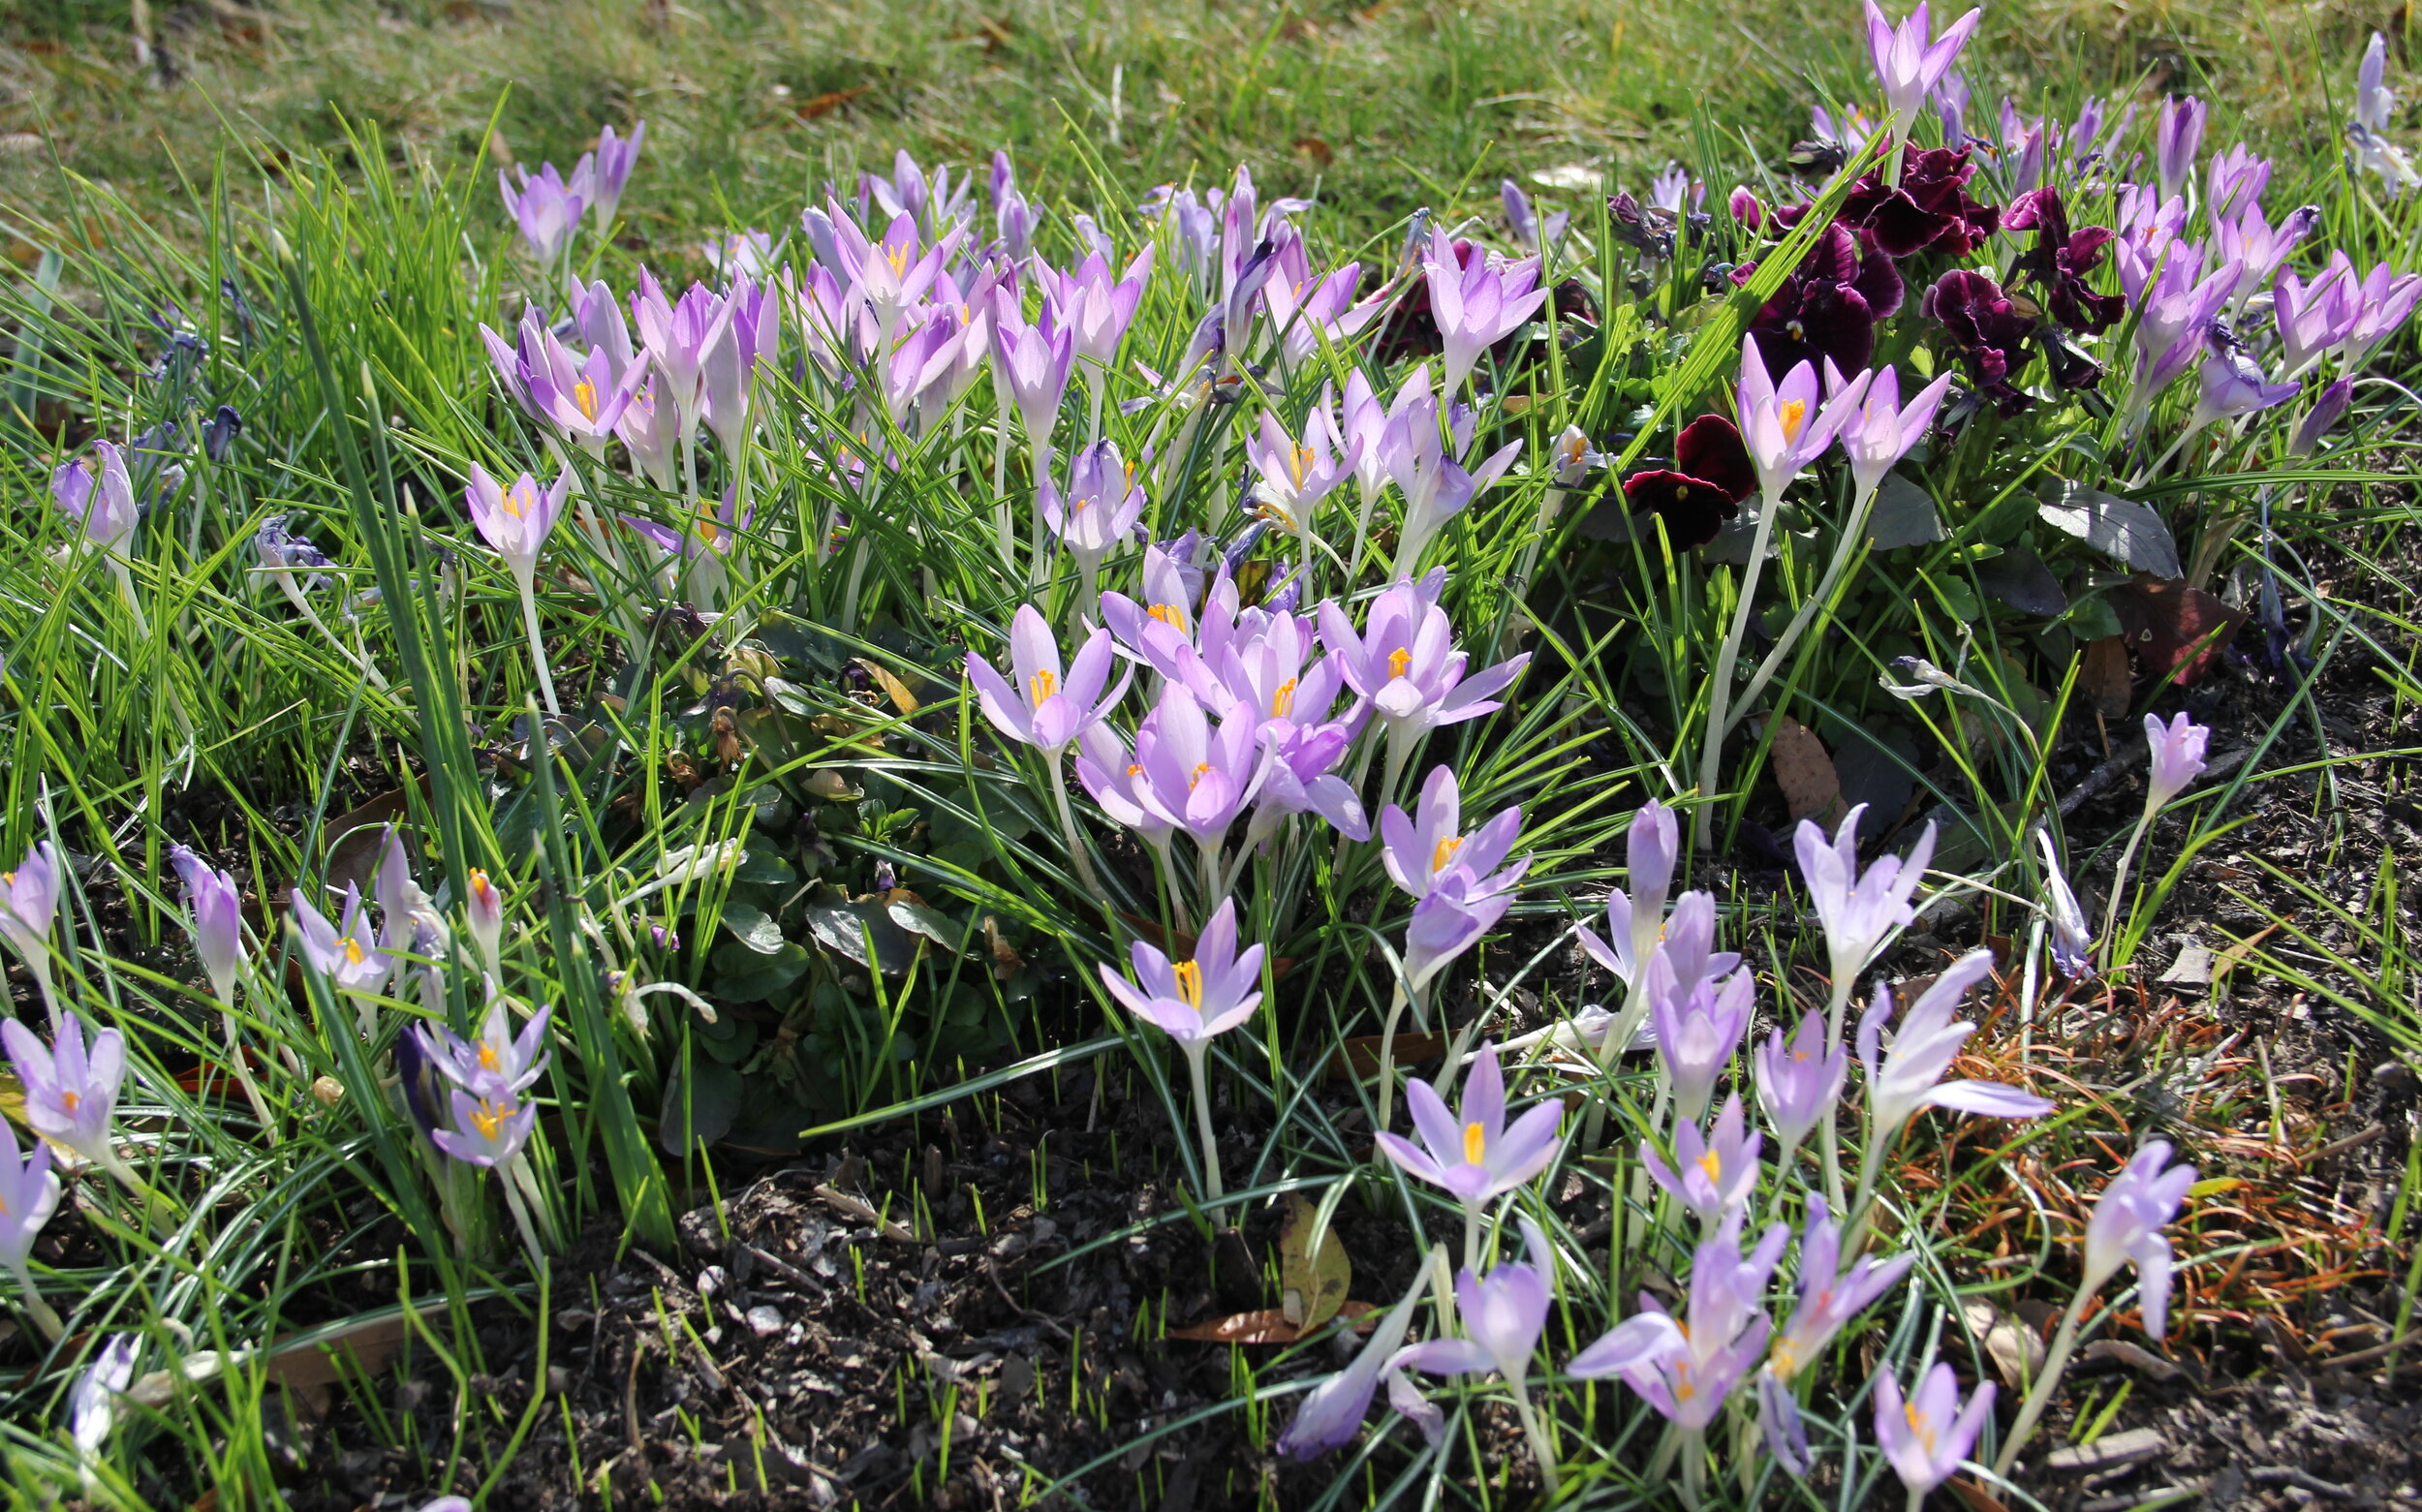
[(2119, 885), (2039, 1395), (1720, 683), (30, 1299), (1197, 1051), (1387, 1055), (1821, 598), (538, 646), (1068, 831)]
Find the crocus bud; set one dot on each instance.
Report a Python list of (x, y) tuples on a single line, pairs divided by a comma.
[(1520, 218), (2177, 136), (218, 922), (2177, 756), (30, 899), (2326, 412), (1745, 208), (2126, 1227), (485, 916)]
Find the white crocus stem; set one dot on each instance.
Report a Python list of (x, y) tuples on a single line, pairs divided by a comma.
[(527, 583), (2039, 1394), (2119, 880), (1005, 522), (44, 1318), (1537, 1431), (243, 1072), (1821, 598), (1195, 1052), (1038, 561), (1387, 1054), (1068, 830), (1719, 697)]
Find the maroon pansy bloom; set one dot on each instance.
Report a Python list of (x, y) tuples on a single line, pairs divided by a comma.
[(1829, 305), (2063, 259), (1711, 474), (1990, 329), (1929, 207)]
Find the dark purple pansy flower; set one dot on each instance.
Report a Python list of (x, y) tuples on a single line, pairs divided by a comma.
[(2063, 259), (1990, 329), (1828, 307), (1712, 473), (1929, 207)]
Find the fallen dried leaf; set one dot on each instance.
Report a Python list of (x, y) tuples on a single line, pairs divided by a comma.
[(1314, 1282), (1269, 1326)]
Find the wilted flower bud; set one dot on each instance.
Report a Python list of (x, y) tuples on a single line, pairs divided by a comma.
[(485, 913), (219, 433)]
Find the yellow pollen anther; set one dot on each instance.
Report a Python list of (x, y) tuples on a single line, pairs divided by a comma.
[(1041, 686), (1189, 974), (353, 952), (1793, 414), (584, 395), (71, 1100), (1168, 615), (519, 500), (1713, 1164), (1134, 769), (1397, 661), (1919, 1425), (487, 1056), (1196, 776), (1474, 1144), (1299, 462), (8, 879), (1445, 854), (490, 1116), (1283, 701)]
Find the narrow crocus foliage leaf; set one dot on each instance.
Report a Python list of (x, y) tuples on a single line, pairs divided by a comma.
[(1910, 1075), (2177, 756), (515, 521), (1471, 1152), (69, 1095), (1198, 1000), (2126, 1227), (1039, 710), (1927, 1435)]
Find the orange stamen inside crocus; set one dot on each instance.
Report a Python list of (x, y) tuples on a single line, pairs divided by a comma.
[(1397, 661), (1793, 413), (1041, 686), (1168, 615), (1283, 701), (1474, 1144), (1189, 974), (1445, 854), (584, 395)]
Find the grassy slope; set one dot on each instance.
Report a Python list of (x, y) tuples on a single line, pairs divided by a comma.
[(753, 105)]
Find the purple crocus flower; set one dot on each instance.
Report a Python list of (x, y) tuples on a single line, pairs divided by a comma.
[(347, 955), (1094, 308), (2072, 938), (497, 1063), (1405, 664), (516, 520), (2314, 319), (1926, 1436), (1300, 780), (1830, 1297), (92, 1407), (218, 920), (2375, 108), (1322, 310), (2328, 409), (1635, 918), (679, 336), (1699, 1025), (1520, 219), (1798, 1082), (2177, 749), (1503, 1314), (1420, 847), (1434, 485), (1727, 1330), (489, 1127), (2251, 242), (29, 1193), (748, 338), (1476, 306), (29, 900), (1038, 710), (599, 177), (106, 507), (2383, 302), (2232, 384), (1332, 1412), (1100, 508), (1685, 940), (544, 210), (1295, 479), (1031, 365), (1447, 922), (1910, 60), (2234, 181), (2126, 1227), (1193, 1001), (483, 912), (1880, 432), (1910, 1075), (1714, 1174), (1859, 911), (1470, 1153), (1197, 777), (2177, 136), (582, 400), (1788, 427), (70, 1096), (2174, 318)]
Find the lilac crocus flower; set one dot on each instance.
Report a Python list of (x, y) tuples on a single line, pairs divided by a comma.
[(2072, 938), (2175, 316), (1447, 922), (1503, 1314), (1798, 1082), (2249, 240), (497, 1063), (2383, 302), (1434, 485), (1421, 846), (2177, 749), (1295, 479), (2232, 384), (1880, 432), (1637, 917), (1476, 306), (1910, 60), (1685, 939), (1727, 1330), (483, 912), (2375, 107), (1910, 1075), (1039, 711), (2126, 1227), (1300, 780), (1860, 912), (1332, 1412), (749, 338), (489, 1128), (516, 520), (29, 900), (70, 1096), (1100, 509), (599, 177), (2316, 318), (2328, 409), (1714, 1174), (1698, 1025), (2177, 136), (1788, 427), (218, 920), (92, 1409), (544, 210), (29, 1193), (1520, 219), (1470, 1153), (1405, 664), (1198, 1000), (582, 400), (1195, 777), (1094, 308), (678, 334), (346, 954), (106, 507), (2233, 182), (1830, 1297), (1030, 366), (1926, 1436)]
